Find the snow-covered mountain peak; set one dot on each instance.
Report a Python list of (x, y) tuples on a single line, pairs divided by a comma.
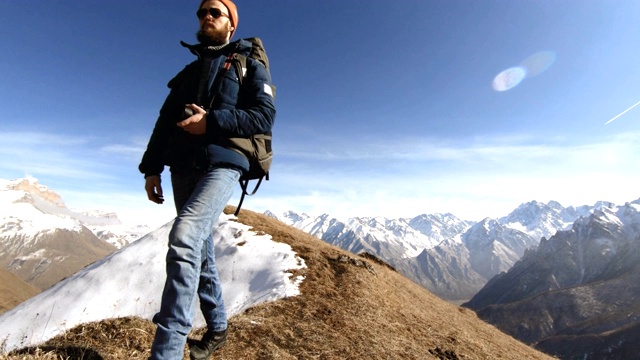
[(555, 205), (27, 212), (426, 223), (28, 208), (483, 233), (528, 214), (32, 190), (601, 205), (291, 217), (540, 220)]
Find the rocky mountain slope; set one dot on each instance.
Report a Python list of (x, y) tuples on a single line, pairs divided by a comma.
[(42, 241), (13, 290), (577, 295)]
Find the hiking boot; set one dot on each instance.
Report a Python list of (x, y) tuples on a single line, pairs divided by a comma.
[(211, 341)]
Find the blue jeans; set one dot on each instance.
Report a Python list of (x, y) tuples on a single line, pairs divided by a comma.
[(200, 199)]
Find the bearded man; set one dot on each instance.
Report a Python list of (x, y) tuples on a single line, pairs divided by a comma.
[(205, 106)]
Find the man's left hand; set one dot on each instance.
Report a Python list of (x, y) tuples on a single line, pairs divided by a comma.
[(196, 124)]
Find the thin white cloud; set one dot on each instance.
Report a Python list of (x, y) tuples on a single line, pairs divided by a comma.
[(68, 156), (46, 154), (471, 178), (469, 197), (132, 149), (28, 139), (491, 149), (124, 150), (486, 177)]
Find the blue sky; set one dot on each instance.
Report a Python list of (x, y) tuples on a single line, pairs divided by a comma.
[(384, 108)]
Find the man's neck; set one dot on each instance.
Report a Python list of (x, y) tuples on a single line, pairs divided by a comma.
[(212, 47)]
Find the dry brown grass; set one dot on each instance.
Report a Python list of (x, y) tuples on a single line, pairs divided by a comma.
[(351, 307)]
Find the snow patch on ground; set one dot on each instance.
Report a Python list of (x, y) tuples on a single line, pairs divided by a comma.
[(253, 269)]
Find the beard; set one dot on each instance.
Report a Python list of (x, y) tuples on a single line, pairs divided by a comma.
[(212, 36)]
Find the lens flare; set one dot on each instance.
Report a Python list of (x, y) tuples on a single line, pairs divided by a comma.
[(508, 79), (538, 63), (532, 66)]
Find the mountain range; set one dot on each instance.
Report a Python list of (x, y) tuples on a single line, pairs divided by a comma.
[(561, 279), (452, 258), (577, 295)]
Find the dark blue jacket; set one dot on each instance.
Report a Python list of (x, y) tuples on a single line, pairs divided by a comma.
[(236, 111)]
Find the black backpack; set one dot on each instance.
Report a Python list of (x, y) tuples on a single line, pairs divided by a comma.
[(256, 148)]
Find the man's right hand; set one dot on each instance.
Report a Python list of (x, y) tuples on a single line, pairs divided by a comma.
[(154, 189)]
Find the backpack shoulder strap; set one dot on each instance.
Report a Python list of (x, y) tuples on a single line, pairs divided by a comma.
[(241, 66)]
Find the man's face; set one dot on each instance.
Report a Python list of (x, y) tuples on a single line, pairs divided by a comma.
[(214, 30)]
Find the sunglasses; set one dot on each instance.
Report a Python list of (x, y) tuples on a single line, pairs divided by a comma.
[(215, 13)]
